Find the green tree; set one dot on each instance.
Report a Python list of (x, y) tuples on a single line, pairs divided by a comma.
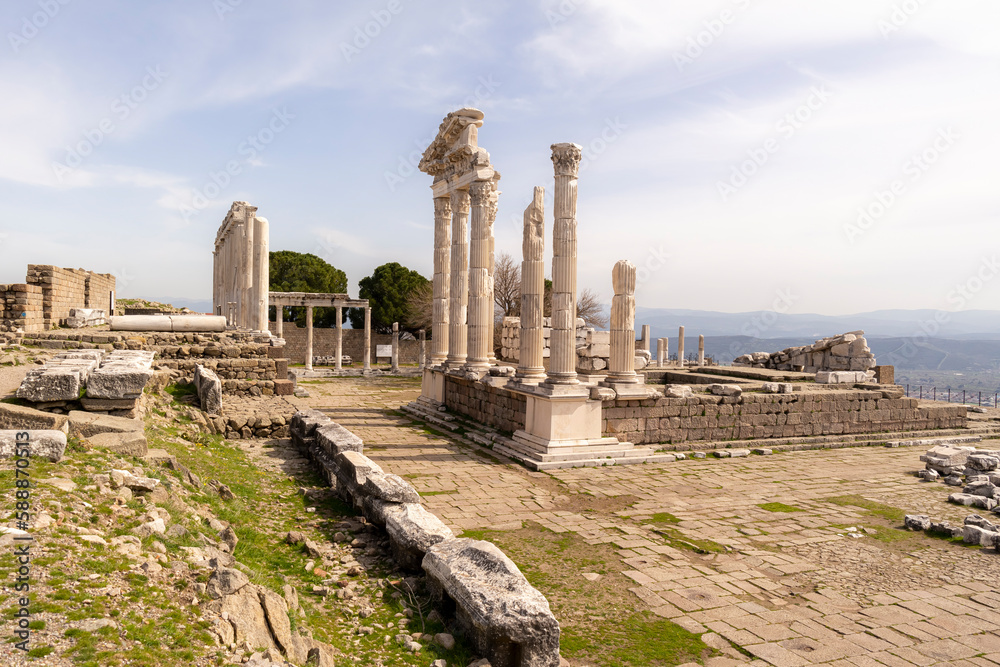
[(304, 272), (388, 291)]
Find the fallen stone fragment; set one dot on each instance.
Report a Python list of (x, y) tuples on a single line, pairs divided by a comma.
[(917, 521), (225, 581), (390, 488), (49, 445), (412, 531)]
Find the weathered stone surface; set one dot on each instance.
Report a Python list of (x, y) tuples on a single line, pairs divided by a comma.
[(678, 391), (85, 424), (19, 417), (982, 462), (57, 384), (128, 444), (225, 581), (117, 382), (412, 531), (841, 377), (277, 618), (507, 620), (209, 388), (725, 389), (917, 521), (972, 501), (247, 617), (355, 468), (390, 488), (335, 439), (49, 445)]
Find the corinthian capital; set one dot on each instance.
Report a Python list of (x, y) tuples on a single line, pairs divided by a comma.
[(480, 192), (566, 158)]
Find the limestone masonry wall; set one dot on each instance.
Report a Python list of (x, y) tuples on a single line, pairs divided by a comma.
[(246, 366), (760, 416), (497, 408), (325, 344), (719, 418), (44, 300)]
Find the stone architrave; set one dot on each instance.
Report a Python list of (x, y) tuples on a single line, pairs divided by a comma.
[(701, 350), (442, 280), (680, 347), (531, 368), (562, 363), (621, 365)]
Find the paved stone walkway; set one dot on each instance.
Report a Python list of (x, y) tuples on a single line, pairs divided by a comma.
[(793, 588)]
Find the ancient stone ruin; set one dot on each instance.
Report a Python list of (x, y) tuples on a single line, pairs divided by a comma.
[(51, 297), (240, 276), (846, 352)]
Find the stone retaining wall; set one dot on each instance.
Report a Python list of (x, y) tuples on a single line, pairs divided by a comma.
[(246, 364), (702, 417), (479, 589), (495, 407), (761, 416), (325, 344)]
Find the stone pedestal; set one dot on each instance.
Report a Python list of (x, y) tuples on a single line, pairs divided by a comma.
[(562, 423), (530, 367)]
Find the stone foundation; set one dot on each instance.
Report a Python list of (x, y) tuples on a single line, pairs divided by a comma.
[(495, 407)]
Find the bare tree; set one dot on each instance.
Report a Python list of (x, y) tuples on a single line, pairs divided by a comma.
[(507, 284), (590, 308), (420, 307)]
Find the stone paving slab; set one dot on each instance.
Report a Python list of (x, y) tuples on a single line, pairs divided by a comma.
[(792, 588)]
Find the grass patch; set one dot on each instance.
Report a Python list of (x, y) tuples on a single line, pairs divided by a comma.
[(664, 517), (780, 507), (180, 390), (639, 640), (872, 507)]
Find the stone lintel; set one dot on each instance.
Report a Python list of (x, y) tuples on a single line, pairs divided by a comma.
[(444, 188)]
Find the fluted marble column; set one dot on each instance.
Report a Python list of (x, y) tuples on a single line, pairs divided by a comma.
[(458, 329), (680, 347), (442, 280), (480, 281), (562, 362), (621, 365), (261, 274), (395, 347), (279, 319), (666, 351), (701, 350), (338, 364), (368, 340), (246, 301), (491, 218), (309, 338), (659, 353), (531, 368)]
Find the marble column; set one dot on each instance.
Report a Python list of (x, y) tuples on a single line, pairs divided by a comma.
[(666, 351), (701, 350), (459, 289), (279, 319), (491, 218), (215, 281), (261, 274), (247, 299), (480, 282), (646, 339), (309, 338), (423, 349), (442, 280), (562, 363), (368, 340), (339, 364), (659, 353), (680, 347), (621, 365), (530, 367), (395, 347)]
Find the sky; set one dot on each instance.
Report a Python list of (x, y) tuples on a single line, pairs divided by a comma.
[(825, 157)]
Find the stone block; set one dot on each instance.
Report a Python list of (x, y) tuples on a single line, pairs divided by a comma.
[(917, 521), (335, 439), (412, 531), (209, 388), (20, 417), (117, 382), (506, 619), (50, 445), (390, 488), (127, 444), (47, 385), (725, 390)]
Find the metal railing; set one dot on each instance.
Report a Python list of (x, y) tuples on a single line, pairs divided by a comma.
[(968, 397)]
